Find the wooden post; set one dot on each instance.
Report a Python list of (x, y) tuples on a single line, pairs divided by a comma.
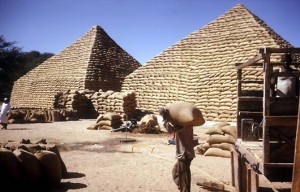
[(236, 170), (252, 179), (296, 169), (266, 108), (239, 94)]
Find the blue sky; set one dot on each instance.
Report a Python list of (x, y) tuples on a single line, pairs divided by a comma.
[(143, 28)]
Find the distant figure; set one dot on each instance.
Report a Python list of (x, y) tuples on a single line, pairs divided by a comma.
[(287, 86), (5, 110)]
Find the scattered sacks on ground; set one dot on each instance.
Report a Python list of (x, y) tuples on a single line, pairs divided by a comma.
[(107, 121), (111, 121), (148, 124), (220, 141), (31, 164)]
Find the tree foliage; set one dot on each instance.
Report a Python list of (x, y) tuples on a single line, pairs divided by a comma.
[(14, 63)]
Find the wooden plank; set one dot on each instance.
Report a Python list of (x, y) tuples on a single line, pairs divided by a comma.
[(266, 108), (250, 98), (278, 164), (259, 64), (239, 83), (210, 185), (258, 82), (249, 157), (250, 62), (235, 168), (285, 74), (252, 180), (290, 121), (279, 50), (232, 169), (296, 168)]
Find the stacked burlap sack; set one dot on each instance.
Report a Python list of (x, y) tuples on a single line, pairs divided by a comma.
[(107, 121), (89, 103), (220, 141), (119, 102), (31, 164), (41, 115)]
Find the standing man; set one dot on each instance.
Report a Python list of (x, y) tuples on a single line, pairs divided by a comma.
[(5, 109), (184, 149)]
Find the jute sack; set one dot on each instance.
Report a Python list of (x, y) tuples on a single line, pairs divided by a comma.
[(114, 123), (229, 129), (105, 127), (12, 145), (93, 126), (51, 168), (202, 148), (212, 139), (30, 164), (54, 148), (216, 129), (183, 113), (217, 152), (10, 167), (224, 146), (110, 116), (33, 148)]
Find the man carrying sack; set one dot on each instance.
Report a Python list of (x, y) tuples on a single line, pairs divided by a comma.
[(179, 118)]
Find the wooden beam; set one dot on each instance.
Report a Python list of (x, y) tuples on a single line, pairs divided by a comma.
[(278, 164), (285, 74), (236, 170), (296, 168), (249, 157), (281, 121), (252, 179), (270, 50), (250, 62), (260, 64), (258, 82), (266, 108)]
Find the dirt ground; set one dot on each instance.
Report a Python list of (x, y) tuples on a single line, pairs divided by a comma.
[(101, 160)]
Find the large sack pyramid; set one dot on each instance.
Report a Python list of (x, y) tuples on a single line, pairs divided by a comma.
[(93, 62), (200, 68)]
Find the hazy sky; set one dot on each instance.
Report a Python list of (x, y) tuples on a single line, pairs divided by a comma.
[(143, 28)]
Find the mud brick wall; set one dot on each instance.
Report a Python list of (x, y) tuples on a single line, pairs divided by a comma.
[(200, 67), (94, 62)]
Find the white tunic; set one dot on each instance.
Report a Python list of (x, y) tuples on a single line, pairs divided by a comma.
[(5, 109)]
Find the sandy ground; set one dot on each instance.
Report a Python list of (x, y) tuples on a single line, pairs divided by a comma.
[(101, 160)]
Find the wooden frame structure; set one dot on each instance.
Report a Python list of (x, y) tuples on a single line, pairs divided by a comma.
[(270, 151)]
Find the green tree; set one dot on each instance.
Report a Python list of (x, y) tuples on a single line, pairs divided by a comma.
[(14, 63)]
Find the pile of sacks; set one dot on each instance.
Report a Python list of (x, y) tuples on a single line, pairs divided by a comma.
[(107, 121), (26, 164), (148, 124), (220, 142), (41, 115)]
